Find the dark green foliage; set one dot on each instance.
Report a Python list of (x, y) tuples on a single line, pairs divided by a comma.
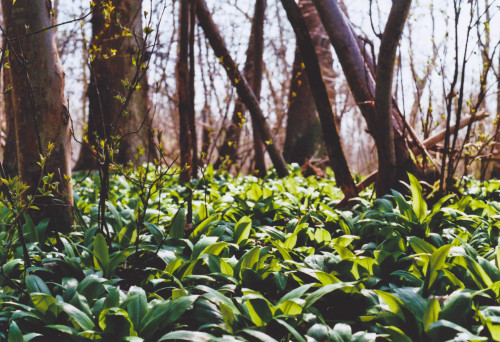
[(264, 260)]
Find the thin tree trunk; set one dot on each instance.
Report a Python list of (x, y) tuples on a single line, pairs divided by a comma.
[(383, 94), (184, 93), (320, 94), (118, 89), (41, 117), (192, 113), (228, 152), (241, 84)]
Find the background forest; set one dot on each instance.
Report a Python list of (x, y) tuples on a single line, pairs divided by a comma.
[(203, 170)]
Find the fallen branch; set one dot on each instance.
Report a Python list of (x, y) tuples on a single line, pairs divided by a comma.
[(428, 143)]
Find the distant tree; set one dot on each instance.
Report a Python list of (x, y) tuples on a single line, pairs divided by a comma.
[(383, 120), (241, 84), (118, 89), (228, 153), (40, 115)]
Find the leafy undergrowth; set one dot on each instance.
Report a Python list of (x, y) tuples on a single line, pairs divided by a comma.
[(264, 260)]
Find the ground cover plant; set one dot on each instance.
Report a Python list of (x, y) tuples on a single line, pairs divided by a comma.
[(263, 260)]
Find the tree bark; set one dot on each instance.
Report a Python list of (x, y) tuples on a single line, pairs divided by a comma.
[(118, 89), (41, 117), (320, 95), (253, 73), (303, 130), (184, 93), (241, 84), (383, 94)]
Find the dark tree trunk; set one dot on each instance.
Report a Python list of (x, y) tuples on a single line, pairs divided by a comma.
[(383, 94), (192, 113), (320, 95), (41, 117), (118, 89), (303, 131), (184, 93), (241, 84), (228, 152)]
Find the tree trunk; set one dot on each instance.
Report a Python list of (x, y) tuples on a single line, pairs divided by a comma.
[(184, 93), (356, 69), (241, 84), (228, 152), (303, 131), (383, 94), (41, 117), (320, 94), (118, 89)]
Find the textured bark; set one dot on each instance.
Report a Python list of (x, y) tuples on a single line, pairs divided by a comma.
[(303, 131), (356, 67), (228, 153), (241, 84), (41, 117), (383, 94), (320, 95), (112, 74), (184, 93)]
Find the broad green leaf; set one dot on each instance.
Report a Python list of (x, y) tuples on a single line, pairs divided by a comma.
[(227, 316), (321, 332), (436, 263), (15, 334), (137, 305), (421, 246), (242, 229), (101, 253), (250, 258), (225, 268), (214, 249), (295, 293), (431, 314), (77, 316), (42, 301), (31, 233), (115, 215), (204, 242), (186, 335), (259, 310), (418, 203), (290, 241), (162, 314), (178, 223), (116, 321), (290, 307), (394, 303), (35, 284), (259, 336), (284, 253)]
